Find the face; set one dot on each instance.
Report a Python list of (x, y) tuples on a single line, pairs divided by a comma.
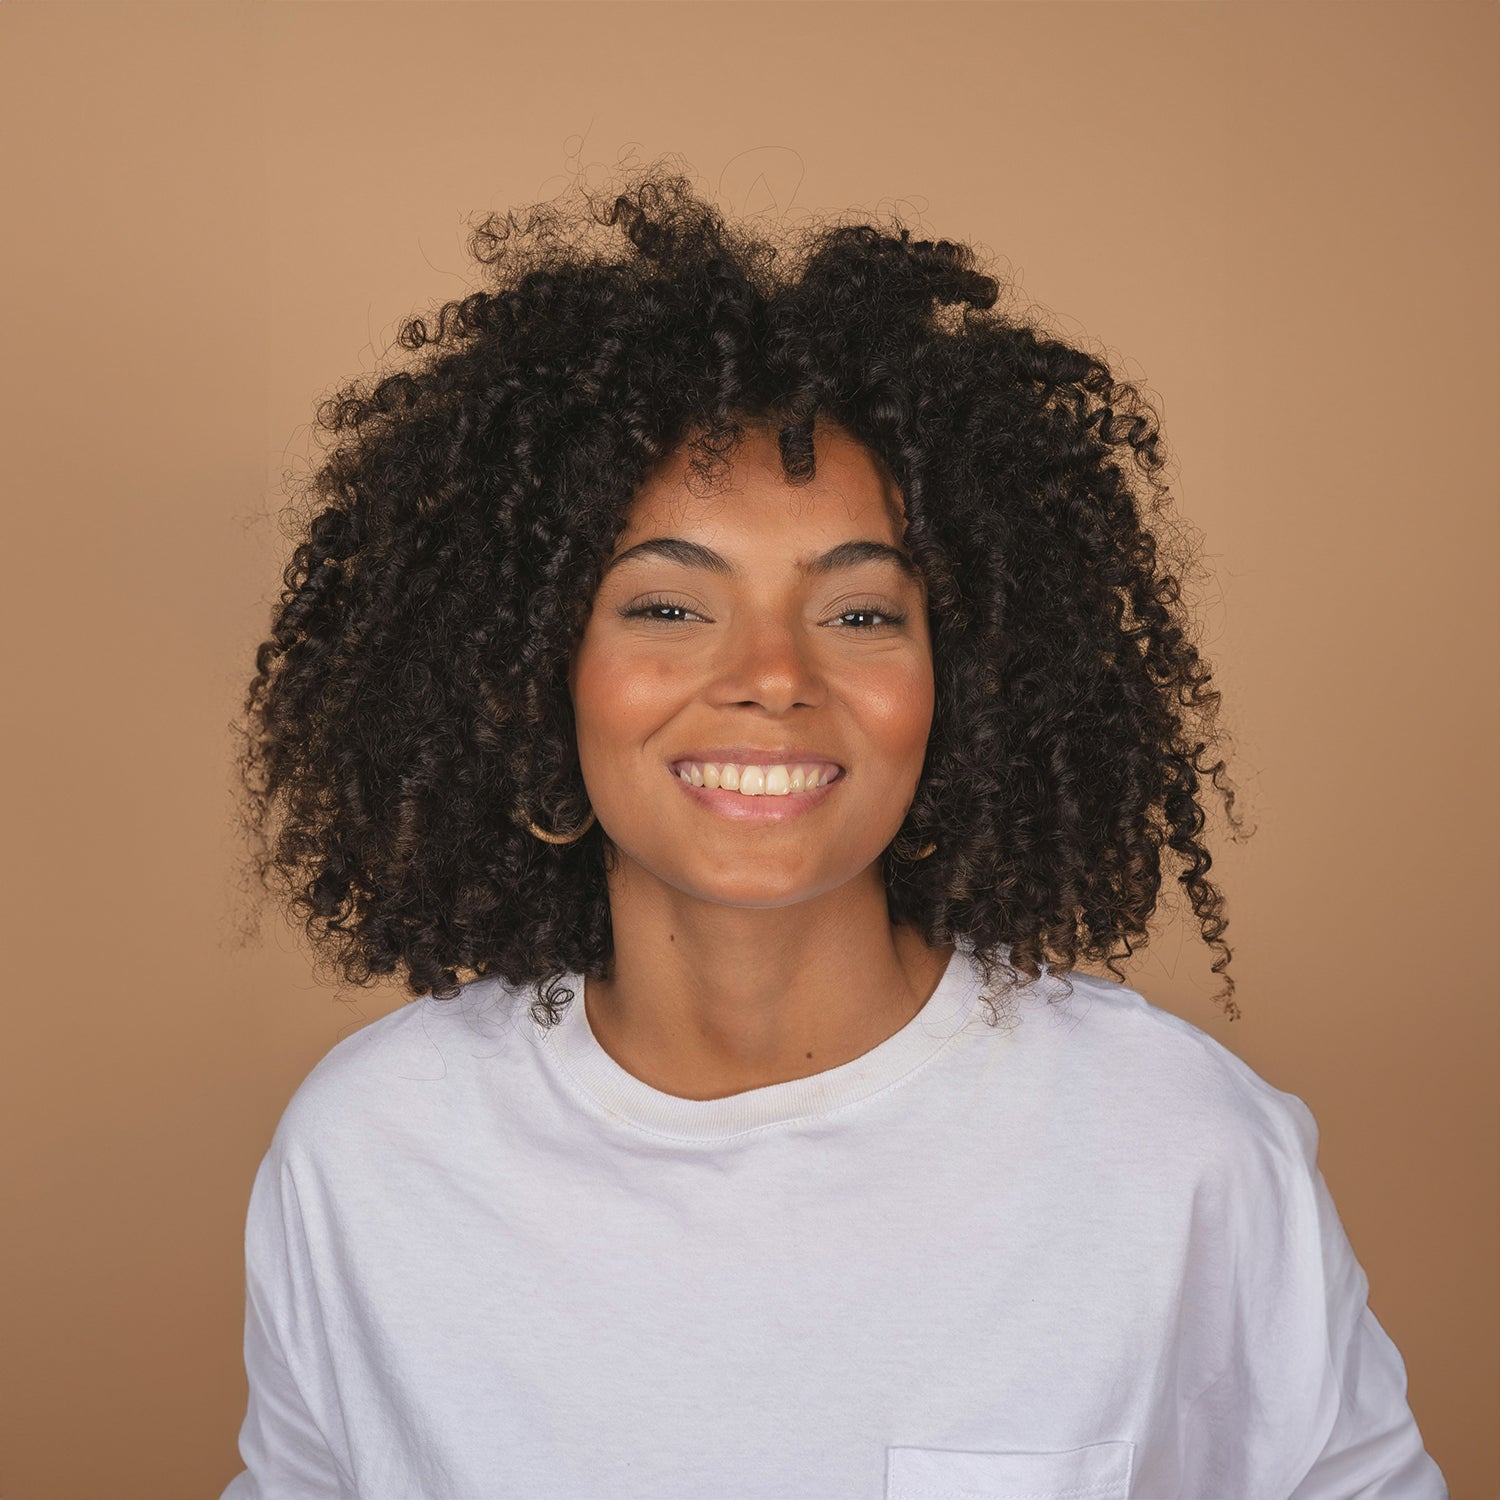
[(744, 624)]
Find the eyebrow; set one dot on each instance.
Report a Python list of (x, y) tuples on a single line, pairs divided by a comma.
[(695, 555)]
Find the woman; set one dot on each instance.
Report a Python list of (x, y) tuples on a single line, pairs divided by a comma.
[(764, 664)]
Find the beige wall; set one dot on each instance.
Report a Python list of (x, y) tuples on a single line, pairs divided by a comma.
[(1282, 217)]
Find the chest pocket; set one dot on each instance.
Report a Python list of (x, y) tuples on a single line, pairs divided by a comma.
[(1100, 1471)]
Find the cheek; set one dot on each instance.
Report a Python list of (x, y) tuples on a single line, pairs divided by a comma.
[(615, 688), (896, 704)]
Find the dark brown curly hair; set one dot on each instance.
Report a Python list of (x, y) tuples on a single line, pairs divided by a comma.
[(410, 710)]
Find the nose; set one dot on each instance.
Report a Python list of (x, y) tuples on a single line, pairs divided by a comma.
[(768, 659)]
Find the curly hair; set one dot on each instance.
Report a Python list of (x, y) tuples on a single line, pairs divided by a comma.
[(409, 710)]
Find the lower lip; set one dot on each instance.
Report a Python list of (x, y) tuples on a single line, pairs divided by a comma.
[(756, 809)]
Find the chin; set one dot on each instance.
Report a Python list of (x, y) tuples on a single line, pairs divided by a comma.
[(758, 887)]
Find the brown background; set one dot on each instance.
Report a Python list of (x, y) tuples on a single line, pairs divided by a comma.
[(1282, 218)]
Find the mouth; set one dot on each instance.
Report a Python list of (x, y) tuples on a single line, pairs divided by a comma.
[(761, 793), (788, 778)]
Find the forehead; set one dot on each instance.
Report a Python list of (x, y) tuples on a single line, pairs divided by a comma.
[(851, 491)]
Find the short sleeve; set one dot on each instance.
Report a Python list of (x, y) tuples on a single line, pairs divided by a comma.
[(287, 1455), (1311, 1401)]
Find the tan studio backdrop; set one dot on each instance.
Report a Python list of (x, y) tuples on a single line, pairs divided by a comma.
[(1280, 218)]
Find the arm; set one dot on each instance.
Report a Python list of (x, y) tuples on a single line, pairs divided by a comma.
[(285, 1452), (1373, 1450), (1311, 1403)]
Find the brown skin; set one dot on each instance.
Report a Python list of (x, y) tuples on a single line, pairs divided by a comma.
[(752, 954)]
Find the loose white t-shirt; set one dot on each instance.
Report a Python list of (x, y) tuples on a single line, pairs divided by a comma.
[(1085, 1256)]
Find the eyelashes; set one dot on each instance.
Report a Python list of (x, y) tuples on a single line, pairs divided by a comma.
[(890, 617), (647, 609)]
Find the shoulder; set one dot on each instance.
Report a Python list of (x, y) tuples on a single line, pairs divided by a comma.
[(1139, 1071), (402, 1067)]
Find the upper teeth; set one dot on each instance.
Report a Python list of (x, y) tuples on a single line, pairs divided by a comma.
[(758, 781)]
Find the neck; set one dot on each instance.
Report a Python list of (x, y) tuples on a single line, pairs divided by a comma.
[(706, 999)]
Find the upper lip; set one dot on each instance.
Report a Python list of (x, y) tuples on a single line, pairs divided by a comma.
[(749, 755)]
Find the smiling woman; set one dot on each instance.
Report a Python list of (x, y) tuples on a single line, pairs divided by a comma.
[(724, 680)]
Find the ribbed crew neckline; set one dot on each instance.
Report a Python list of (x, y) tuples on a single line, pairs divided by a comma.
[(577, 1051)]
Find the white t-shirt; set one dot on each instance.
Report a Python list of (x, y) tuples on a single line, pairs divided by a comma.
[(1087, 1256)]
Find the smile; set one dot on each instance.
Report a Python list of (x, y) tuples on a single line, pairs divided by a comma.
[(757, 793), (759, 780)]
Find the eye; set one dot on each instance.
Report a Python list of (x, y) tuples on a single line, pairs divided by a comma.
[(887, 617), (657, 610), (648, 609)]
